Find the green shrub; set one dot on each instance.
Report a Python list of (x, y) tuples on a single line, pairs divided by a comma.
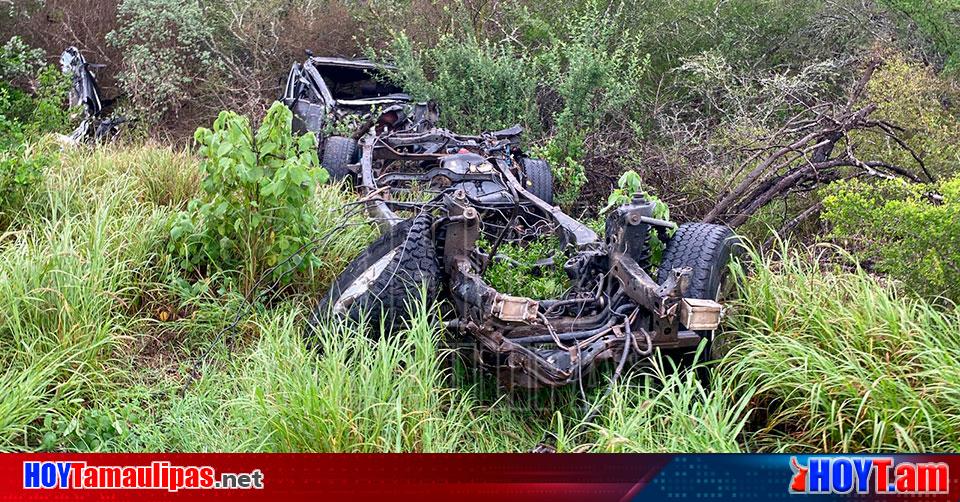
[(479, 85), (50, 111), (565, 152), (18, 60), (21, 173), (166, 51), (927, 107), (257, 190), (595, 67), (23, 114), (909, 231), (14, 104), (937, 20)]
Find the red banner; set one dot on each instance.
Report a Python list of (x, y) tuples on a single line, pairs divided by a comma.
[(303, 477), (492, 478)]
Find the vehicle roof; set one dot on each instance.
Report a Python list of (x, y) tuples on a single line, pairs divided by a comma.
[(348, 62)]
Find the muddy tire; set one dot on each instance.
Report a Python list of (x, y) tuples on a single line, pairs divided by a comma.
[(385, 278), (338, 153), (539, 179)]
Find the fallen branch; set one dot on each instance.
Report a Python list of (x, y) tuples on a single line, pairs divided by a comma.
[(813, 148)]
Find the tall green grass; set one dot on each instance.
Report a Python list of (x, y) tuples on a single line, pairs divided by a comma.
[(357, 394), (671, 409), (841, 362), (67, 281), (822, 357)]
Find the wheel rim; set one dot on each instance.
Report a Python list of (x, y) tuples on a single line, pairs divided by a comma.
[(362, 283)]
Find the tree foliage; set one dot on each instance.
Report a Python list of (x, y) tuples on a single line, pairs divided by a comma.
[(254, 211), (167, 51), (909, 231)]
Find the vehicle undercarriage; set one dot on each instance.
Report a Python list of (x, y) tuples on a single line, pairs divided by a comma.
[(437, 195)]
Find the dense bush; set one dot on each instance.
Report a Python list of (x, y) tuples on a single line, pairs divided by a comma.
[(909, 231), (939, 21), (480, 86), (21, 173), (254, 212), (926, 107), (595, 68), (24, 117), (18, 60), (167, 52)]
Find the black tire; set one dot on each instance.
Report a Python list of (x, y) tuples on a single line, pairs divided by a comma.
[(539, 179), (397, 283), (707, 249), (338, 153)]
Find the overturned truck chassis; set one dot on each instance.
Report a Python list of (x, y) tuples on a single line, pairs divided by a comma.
[(615, 310)]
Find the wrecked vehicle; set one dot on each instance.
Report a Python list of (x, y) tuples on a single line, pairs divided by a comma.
[(340, 100), (446, 202), (85, 93)]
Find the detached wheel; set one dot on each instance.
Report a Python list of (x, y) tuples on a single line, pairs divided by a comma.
[(338, 153), (539, 179), (385, 278)]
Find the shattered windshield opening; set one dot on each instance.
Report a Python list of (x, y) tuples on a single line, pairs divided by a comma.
[(355, 83)]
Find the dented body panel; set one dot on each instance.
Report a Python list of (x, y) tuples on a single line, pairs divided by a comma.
[(330, 93)]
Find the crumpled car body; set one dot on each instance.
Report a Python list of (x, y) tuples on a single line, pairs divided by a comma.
[(341, 96), (620, 306), (85, 92)]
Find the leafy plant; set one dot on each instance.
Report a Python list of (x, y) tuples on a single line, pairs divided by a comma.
[(344, 125), (517, 273), (21, 172), (479, 85), (594, 69), (50, 112), (587, 76), (937, 19), (564, 153), (167, 51), (23, 114), (257, 189), (91, 429), (19, 60)]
